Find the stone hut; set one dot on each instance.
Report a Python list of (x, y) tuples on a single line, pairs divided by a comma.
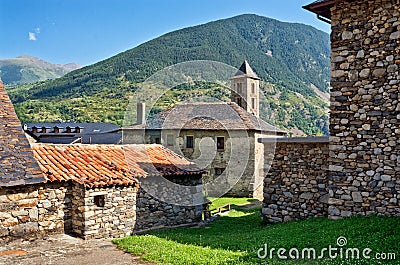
[(364, 152), (19, 207), (105, 198), (91, 191)]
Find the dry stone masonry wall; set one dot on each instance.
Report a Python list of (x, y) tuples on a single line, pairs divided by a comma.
[(365, 108), (34, 210), (296, 185), (104, 212), (160, 212)]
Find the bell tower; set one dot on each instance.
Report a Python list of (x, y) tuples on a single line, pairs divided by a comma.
[(245, 89)]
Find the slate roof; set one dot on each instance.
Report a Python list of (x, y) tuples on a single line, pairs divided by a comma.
[(86, 127), (90, 133), (17, 164), (321, 7), (107, 165), (196, 116), (246, 70)]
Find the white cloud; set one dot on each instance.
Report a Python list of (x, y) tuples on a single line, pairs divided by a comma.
[(37, 30), (32, 36)]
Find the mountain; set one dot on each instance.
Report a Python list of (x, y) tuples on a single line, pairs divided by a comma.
[(291, 59), (28, 69)]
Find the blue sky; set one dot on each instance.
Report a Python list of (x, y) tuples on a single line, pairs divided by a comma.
[(88, 31)]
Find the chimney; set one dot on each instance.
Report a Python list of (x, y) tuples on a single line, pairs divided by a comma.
[(141, 113)]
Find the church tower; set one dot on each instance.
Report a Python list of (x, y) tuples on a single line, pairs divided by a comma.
[(245, 89)]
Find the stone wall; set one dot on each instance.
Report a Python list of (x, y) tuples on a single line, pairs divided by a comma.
[(92, 219), (365, 109), (154, 212), (296, 185), (250, 185), (34, 210)]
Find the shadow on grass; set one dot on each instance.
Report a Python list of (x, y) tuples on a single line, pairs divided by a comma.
[(242, 231)]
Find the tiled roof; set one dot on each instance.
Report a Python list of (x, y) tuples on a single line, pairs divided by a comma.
[(245, 69), (169, 163), (106, 165), (226, 116), (17, 164)]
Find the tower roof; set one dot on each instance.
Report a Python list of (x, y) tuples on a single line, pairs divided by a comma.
[(18, 166), (245, 69)]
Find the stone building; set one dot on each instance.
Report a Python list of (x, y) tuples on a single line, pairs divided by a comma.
[(365, 108), (363, 152), (213, 133), (104, 197), (91, 191)]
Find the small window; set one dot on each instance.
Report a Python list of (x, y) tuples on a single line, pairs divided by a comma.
[(99, 200), (56, 130), (218, 171), (253, 88), (170, 139), (158, 140), (68, 129), (189, 141), (253, 103), (239, 101), (43, 129), (220, 143), (77, 130), (34, 129)]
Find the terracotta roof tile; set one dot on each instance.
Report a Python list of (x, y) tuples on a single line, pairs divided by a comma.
[(17, 165), (102, 165)]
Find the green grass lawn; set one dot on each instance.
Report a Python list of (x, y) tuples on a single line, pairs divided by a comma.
[(236, 237), (235, 202)]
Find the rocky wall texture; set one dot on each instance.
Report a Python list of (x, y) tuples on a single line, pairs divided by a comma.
[(365, 108), (296, 185), (154, 212), (34, 210), (104, 212)]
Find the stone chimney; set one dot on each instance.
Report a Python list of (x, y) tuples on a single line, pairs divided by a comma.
[(141, 113)]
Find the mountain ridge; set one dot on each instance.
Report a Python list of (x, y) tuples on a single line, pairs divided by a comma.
[(288, 57), (25, 69)]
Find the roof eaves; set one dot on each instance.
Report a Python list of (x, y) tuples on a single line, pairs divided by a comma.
[(321, 8)]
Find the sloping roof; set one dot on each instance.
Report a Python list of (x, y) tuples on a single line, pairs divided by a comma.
[(321, 7), (17, 164), (197, 116), (107, 165), (86, 127), (89, 133), (245, 70)]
